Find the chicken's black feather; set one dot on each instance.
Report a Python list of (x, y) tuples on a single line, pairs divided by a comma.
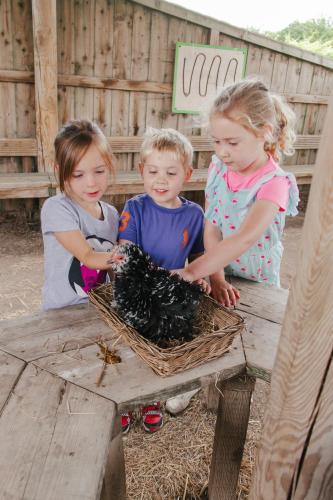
[(161, 306)]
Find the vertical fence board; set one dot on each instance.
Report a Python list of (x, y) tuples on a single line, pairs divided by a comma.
[(122, 49), (66, 58), (103, 63), (45, 60), (84, 55), (267, 66), (303, 87), (139, 71)]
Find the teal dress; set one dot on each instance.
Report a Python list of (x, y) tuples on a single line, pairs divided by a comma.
[(227, 210)]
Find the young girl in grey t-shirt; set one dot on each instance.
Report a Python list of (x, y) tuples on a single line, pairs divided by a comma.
[(78, 229)]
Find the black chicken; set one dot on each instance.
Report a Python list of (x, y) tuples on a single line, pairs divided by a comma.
[(161, 306)]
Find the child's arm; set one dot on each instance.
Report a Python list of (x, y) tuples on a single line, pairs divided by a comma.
[(260, 216), (76, 244), (222, 291), (202, 282)]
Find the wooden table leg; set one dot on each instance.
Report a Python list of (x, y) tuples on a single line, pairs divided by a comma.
[(114, 485), (230, 432)]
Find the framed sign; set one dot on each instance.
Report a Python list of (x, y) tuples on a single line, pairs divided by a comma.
[(200, 71)]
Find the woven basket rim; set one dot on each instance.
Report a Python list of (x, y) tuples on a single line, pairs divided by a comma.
[(173, 359)]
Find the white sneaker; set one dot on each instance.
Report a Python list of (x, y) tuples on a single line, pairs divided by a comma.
[(179, 403)]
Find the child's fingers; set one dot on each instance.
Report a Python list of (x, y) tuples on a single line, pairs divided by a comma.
[(233, 295)]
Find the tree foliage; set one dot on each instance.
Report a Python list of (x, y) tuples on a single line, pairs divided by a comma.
[(315, 35)]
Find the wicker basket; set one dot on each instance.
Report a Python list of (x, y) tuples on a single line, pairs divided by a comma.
[(212, 341)]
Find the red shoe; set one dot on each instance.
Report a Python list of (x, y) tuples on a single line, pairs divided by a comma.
[(152, 417), (126, 421)]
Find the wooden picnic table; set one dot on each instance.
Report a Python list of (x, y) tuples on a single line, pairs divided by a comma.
[(59, 432)]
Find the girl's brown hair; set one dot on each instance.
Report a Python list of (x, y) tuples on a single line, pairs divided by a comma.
[(252, 105), (72, 142)]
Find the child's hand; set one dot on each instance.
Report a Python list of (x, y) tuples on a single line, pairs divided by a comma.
[(183, 273), (204, 285), (222, 291)]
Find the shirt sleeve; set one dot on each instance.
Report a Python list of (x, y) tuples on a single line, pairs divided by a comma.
[(57, 215), (127, 224), (277, 191), (198, 244)]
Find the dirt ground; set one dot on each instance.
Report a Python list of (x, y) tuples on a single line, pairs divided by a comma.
[(175, 460)]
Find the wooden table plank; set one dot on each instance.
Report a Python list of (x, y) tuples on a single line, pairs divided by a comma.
[(132, 382), (42, 334), (261, 300), (54, 440), (10, 371), (260, 341)]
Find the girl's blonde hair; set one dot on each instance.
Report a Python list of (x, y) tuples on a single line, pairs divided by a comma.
[(252, 105), (167, 139), (72, 142)]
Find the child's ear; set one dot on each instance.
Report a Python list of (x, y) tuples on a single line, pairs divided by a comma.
[(188, 173), (140, 166)]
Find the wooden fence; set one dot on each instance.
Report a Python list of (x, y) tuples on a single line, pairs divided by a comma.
[(112, 61)]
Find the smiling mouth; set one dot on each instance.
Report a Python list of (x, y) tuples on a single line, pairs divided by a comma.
[(93, 194)]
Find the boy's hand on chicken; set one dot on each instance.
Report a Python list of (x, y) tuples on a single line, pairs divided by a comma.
[(222, 291)]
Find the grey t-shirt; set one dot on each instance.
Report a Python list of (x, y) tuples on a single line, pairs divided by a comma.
[(67, 281)]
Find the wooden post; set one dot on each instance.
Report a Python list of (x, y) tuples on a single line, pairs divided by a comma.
[(45, 59), (295, 459), (230, 433), (114, 485)]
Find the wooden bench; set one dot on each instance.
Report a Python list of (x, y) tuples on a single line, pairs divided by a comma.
[(56, 421), (38, 185)]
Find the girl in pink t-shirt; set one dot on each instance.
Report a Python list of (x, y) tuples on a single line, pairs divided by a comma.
[(247, 194)]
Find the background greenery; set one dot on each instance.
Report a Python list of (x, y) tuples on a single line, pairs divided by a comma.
[(315, 35)]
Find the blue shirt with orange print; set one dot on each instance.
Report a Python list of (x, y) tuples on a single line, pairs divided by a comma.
[(168, 235)]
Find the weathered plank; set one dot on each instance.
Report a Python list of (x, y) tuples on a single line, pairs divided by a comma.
[(45, 60), (55, 440), (315, 479), (28, 147), (142, 384), (10, 371), (68, 329), (66, 58), (136, 85), (260, 340), (303, 367), (27, 185), (261, 300)]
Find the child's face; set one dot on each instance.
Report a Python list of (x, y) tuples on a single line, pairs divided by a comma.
[(163, 177), (89, 179), (236, 146)]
